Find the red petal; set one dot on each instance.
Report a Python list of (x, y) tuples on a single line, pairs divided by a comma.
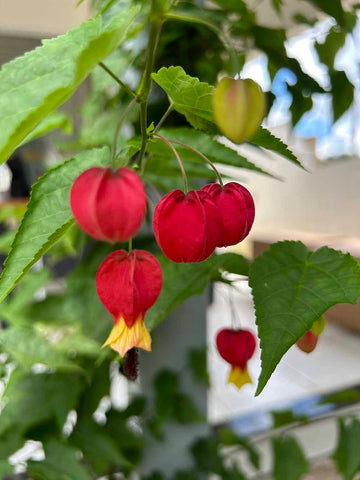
[(236, 346)]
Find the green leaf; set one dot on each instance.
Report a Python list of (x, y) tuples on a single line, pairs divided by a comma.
[(47, 218), (332, 8), (328, 50), (34, 85), (299, 105), (263, 138), (188, 96), (197, 362), (30, 399), (289, 460), (61, 462), (229, 438), (206, 455), (214, 150), (277, 4), (342, 93), (347, 455), (54, 121), (292, 287), (5, 468), (27, 347), (183, 280)]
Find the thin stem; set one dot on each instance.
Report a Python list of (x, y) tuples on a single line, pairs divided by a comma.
[(144, 136), (178, 159), (117, 79), (202, 156), (130, 245), (163, 118), (119, 125)]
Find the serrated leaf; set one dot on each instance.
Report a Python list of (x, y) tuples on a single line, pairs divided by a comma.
[(289, 460), (27, 347), (61, 462), (54, 121), (214, 150), (29, 399), (347, 455), (48, 216), (188, 96), (37, 83), (292, 287), (183, 280), (342, 93), (265, 139)]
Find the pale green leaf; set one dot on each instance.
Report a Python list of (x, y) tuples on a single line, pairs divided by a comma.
[(292, 287), (54, 121), (347, 455), (35, 84), (48, 216), (28, 348), (289, 460), (188, 96)]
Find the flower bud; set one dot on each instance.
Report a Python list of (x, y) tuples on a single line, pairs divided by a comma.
[(128, 284), (109, 206), (237, 210), (236, 347), (187, 227), (307, 343), (239, 108)]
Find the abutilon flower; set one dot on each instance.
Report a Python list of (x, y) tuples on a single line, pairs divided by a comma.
[(237, 210), (238, 107), (236, 347), (307, 343), (109, 206), (128, 284), (187, 227)]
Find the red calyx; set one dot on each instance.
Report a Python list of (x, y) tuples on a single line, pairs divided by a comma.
[(237, 210), (187, 227), (236, 346), (128, 284), (109, 206), (307, 343)]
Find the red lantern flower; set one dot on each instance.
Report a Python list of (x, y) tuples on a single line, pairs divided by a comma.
[(307, 343), (109, 206), (237, 210), (236, 347), (128, 284), (187, 226)]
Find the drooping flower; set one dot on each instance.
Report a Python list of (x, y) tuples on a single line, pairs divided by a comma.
[(128, 284), (236, 347), (239, 108), (187, 227), (109, 206), (237, 210), (308, 342)]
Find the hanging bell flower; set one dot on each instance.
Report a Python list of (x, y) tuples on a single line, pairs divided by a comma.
[(236, 347), (187, 227), (239, 108), (128, 284), (109, 206), (237, 210), (308, 342)]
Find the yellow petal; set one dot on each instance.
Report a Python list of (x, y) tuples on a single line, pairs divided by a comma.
[(122, 338), (239, 377)]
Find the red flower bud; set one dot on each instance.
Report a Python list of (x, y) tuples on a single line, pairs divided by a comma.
[(237, 210), (187, 227), (307, 343), (128, 284), (109, 206), (236, 347)]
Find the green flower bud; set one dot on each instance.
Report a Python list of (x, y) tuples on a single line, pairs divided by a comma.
[(318, 326), (239, 108)]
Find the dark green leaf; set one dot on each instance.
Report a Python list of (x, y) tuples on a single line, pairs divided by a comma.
[(5, 468), (34, 85), (332, 8), (299, 105), (61, 462), (285, 417), (289, 461), (206, 455), (292, 287), (328, 50), (277, 4), (197, 362), (263, 138), (342, 93), (347, 455), (229, 438), (48, 216)]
